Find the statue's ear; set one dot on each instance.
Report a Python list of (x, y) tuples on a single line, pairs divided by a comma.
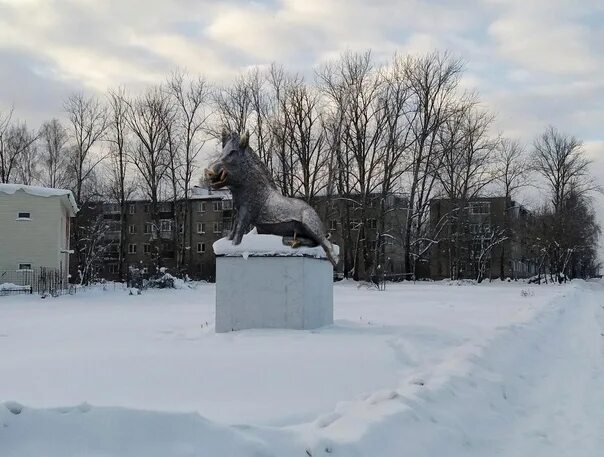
[(245, 140), (225, 136)]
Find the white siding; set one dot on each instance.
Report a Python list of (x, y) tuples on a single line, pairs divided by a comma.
[(38, 241)]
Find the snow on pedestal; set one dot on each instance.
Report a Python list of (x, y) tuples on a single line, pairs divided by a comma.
[(262, 283)]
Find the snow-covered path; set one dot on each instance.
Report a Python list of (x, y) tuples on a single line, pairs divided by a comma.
[(422, 370)]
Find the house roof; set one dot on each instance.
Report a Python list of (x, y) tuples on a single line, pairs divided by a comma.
[(203, 193), (46, 192)]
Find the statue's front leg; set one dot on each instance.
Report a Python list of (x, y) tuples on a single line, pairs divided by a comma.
[(240, 226)]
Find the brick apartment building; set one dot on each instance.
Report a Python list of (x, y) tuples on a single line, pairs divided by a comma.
[(209, 217), (471, 228), (343, 221)]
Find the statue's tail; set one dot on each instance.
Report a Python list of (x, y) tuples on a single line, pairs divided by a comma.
[(329, 250)]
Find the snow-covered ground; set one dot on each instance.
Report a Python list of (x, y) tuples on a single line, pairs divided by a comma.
[(427, 369)]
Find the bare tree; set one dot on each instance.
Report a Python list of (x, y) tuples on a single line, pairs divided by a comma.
[(146, 118), (88, 122), (28, 169), (120, 183), (354, 89), (512, 175), (87, 125), (54, 163), (433, 81), (14, 142), (191, 98), (561, 161)]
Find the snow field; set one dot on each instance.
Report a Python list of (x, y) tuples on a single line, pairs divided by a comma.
[(424, 369)]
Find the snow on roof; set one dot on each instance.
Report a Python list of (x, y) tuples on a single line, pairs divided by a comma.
[(203, 193), (41, 192), (255, 245)]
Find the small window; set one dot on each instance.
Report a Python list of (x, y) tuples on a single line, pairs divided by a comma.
[(217, 205), (217, 227), (132, 209), (113, 268), (201, 227), (201, 248), (166, 225), (132, 229), (480, 207), (147, 248), (148, 227), (132, 248), (227, 204), (146, 208), (25, 266), (201, 207), (24, 216), (165, 207), (333, 224), (227, 225), (372, 223)]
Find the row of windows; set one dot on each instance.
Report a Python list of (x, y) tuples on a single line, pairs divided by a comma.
[(354, 224), (132, 248), (167, 226), (166, 207)]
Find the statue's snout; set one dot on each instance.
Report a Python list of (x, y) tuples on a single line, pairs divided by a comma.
[(216, 175)]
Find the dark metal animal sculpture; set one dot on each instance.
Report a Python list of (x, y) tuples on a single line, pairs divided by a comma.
[(258, 202)]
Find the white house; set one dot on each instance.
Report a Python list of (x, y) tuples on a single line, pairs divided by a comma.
[(34, 227)]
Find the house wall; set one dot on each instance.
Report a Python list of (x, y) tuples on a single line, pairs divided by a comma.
[(38, 241)]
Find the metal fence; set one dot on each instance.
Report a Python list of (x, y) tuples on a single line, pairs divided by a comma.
[(51, 281)]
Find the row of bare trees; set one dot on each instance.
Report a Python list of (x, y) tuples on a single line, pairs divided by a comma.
[(357, 133)]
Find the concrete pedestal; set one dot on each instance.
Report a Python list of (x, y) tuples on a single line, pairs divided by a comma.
[(272, 291)]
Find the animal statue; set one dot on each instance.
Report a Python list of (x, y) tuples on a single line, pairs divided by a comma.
[(258, 202)]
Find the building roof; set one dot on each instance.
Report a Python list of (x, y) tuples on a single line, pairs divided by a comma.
[(46, 192), (203, 193)]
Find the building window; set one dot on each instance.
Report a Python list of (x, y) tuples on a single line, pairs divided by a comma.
[(217, 227), (132, 209), (165, 225), (113, 268), (333, 224), (165, 207), (25, 266), (227, 225), (113, 226), (372, 223), (111, 208), (132, 248), (201, 248), (24, 216), (146, 208), (148, 227), (132, 229), (201, 227), (201, 207), (480, 207), (217, 205), (146, 248), (227, 204)]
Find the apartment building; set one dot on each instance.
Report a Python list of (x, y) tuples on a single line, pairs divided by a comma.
[(182, 250), (486, 232), (343, 219)]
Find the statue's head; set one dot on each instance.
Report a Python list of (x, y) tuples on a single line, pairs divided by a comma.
[(234, 163)]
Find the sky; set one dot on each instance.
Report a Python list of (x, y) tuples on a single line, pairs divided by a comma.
[(534, 62)]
